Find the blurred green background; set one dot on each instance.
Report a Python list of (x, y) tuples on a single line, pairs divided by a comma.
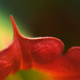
[(36, 18)]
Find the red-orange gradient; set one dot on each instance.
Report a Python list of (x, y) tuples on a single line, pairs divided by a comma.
[(44, 54)]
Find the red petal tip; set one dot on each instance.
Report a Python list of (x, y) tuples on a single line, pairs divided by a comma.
[(14, 25)]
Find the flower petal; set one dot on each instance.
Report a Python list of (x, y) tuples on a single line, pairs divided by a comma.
[(73, 55), (26, 61), (9, 61), (45, 49), (43, 54)]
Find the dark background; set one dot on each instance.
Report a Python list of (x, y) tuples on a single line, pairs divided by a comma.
[(56, 18)]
